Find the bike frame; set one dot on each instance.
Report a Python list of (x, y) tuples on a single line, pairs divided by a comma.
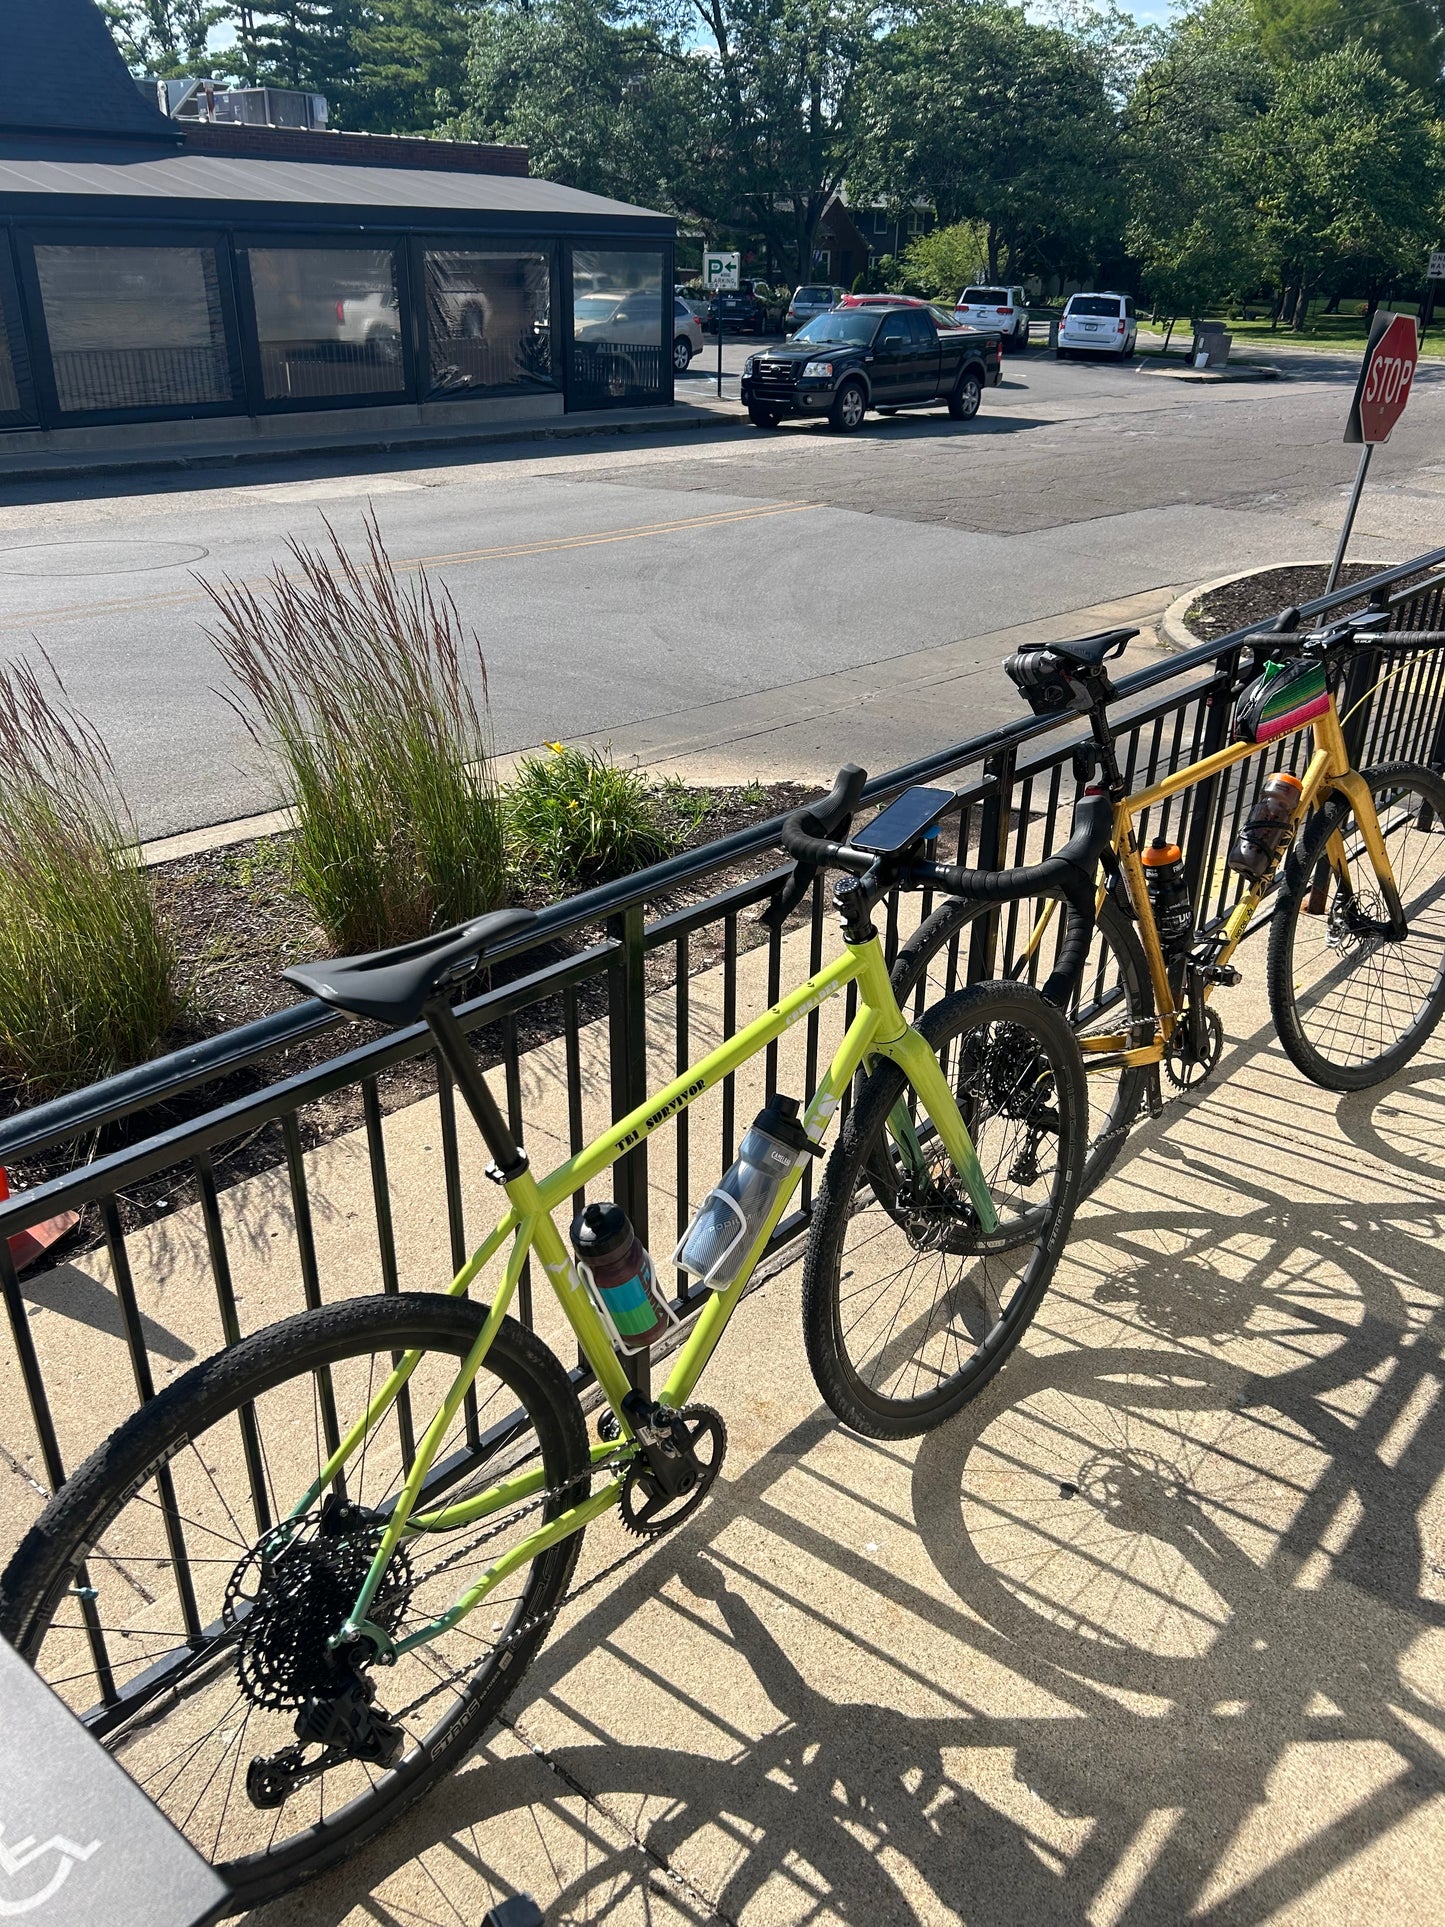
[(879, 1029), (1329, 770)]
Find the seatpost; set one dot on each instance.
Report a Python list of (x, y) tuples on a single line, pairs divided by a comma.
[(1104, 743), (507, 1155)]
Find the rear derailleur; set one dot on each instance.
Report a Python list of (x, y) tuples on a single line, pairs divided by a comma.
[(346, 1726)]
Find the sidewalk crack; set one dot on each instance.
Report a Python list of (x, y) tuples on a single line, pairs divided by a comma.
[(659, 1861)]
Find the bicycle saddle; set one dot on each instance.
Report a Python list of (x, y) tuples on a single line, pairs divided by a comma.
[(393, 985), (1089, 651)]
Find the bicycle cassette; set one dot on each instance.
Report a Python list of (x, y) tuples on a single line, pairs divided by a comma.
[(697, 1442), (1187, 1069)]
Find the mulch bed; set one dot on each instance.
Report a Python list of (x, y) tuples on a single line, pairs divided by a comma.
[(239, 924), (1237, 604)]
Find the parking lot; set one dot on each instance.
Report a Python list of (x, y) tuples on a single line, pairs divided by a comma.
[(625, 584)]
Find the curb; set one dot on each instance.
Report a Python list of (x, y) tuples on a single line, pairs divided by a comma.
[(182, 461), (1173, 629)]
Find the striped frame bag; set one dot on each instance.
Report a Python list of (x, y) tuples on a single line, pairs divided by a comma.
[(1281, 697)]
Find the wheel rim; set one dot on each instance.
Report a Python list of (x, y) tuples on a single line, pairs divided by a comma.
[(1359, 995), (852, 408), (921, 1294), (191, 1750), (681, 357), (970, 399)]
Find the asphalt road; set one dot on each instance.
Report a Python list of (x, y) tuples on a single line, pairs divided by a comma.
[(627, 578)]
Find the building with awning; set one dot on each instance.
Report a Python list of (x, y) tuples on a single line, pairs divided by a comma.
[(196, 281)]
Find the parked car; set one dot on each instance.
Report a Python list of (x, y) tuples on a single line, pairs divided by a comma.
[(774, 300), (808, 302), (739, 310), (1098, 324), (849, 360), (884, 301), (686, 335), (1006, 309)]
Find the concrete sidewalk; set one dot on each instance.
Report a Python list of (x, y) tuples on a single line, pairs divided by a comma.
[(1155, 1631)]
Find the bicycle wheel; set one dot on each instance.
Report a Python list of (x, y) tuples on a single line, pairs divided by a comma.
[(1113, 993), (1351, 1003), (908, 1307), (207, 1665)]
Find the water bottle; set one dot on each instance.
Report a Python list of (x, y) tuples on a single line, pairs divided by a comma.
[(1266, 828), (614, 1262), (726, 1227), (1172, 905)]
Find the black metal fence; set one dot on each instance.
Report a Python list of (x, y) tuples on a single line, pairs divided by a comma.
[(1014, 796)]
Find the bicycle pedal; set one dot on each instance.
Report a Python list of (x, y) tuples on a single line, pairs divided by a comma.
[(1225, 975)]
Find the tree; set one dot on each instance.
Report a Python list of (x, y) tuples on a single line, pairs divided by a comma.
[(617, 108), (168, 38), (1343, 168), (1407, 35), (996, 119), (944, 262), (411, 59), (785, 80), (1191, 228), (299, 43)]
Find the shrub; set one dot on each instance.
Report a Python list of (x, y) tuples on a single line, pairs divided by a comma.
[(578, 819), (87, 967), (355, 686), (944, 262)]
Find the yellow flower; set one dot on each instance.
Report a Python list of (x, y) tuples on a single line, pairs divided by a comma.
[(556, 748)]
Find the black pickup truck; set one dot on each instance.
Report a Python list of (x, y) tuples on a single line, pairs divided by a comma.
[(849, 360)]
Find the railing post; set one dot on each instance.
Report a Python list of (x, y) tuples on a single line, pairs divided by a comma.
[(1218, 710), (627, 1047), (995, 818)]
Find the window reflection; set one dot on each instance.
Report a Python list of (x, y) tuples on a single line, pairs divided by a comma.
[(328, 322), (133, 327), (618, 337), (9, 387), (489, 321)]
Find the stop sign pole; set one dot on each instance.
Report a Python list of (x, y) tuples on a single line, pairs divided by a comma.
[(1387, 375)]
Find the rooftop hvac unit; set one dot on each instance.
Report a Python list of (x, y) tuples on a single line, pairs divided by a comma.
[(213, 100)]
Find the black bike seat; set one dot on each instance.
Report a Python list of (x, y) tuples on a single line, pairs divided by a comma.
[(392, 985), (1090, 651)]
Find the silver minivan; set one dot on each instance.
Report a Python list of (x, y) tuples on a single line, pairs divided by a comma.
[(809, 302)]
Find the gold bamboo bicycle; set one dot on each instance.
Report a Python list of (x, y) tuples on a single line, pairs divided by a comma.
[(300, 1583), (1354, 860)]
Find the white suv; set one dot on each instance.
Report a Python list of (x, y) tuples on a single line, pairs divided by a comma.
[(1004, 309), (1098, 324)]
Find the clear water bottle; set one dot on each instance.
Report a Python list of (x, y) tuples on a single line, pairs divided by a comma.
[(1266, 828), (614, 1262), (726, 1227)]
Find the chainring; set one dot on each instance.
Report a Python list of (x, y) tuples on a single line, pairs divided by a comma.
[(1184, 1070), (293, 1590), (644, 1508)]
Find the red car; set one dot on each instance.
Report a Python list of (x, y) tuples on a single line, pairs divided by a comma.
[(944, 317)]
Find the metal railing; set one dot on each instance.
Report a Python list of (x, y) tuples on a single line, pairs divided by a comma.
[(1012, 796)]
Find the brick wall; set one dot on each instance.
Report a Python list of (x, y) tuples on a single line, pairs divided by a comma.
[(356, 150)]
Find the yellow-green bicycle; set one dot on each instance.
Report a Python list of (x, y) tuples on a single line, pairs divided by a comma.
[(300, 1583)]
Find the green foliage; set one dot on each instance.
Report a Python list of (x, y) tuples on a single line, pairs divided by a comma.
[(86, 965), (411, 62), (1345, 167), (167, 38), (999, 120), (944, 262), (1190, 227), (576, 819), (353, 683), (1408, 36)]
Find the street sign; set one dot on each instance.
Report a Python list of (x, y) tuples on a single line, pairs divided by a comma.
[(1436, 269), (720, 270), (80, 1844), (1386, 377)]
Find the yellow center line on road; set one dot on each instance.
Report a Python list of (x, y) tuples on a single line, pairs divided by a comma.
[(721, 518)]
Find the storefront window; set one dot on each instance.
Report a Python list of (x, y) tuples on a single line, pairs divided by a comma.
[(617, 328), (328, 322), (9, 387), (489, 322), (134, 327)]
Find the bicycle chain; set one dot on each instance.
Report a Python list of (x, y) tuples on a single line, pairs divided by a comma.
[(525, 1626)]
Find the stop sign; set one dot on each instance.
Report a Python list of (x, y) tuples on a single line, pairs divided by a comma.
[(1385, 379)]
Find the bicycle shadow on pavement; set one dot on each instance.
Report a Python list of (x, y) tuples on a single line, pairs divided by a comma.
[(1154, 1630)]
